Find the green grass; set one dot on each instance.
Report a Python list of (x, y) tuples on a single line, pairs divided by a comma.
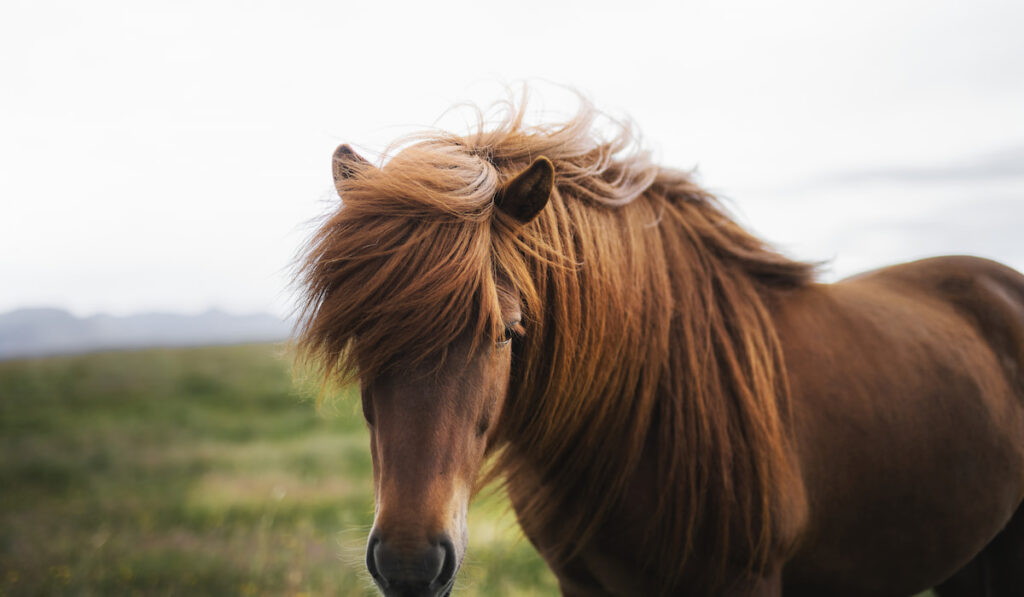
[(200, 472)]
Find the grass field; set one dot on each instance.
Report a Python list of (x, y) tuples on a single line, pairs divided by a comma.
[(200, 472)]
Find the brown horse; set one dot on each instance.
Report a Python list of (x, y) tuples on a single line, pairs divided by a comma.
[(674, 407)]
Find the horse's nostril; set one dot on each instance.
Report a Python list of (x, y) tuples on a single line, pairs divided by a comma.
[(371, 559), (448, 563)]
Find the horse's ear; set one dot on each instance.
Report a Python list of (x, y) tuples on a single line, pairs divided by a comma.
[(525, 195), (346, 163)]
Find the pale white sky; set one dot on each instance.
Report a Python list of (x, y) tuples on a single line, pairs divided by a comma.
[(166, 155)]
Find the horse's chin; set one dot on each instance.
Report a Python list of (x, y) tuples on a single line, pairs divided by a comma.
[(444, 591)]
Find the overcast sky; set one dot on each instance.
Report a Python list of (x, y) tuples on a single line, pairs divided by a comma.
[(166, 156)]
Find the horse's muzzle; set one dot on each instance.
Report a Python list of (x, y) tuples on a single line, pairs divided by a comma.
[(426, 571)]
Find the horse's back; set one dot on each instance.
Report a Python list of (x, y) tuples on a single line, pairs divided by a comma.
[(908, 420), (988, 294)]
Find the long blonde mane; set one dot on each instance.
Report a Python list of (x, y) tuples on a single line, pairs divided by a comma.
[(648, 330)]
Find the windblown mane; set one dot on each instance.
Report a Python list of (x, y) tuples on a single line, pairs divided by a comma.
[(646, 316)]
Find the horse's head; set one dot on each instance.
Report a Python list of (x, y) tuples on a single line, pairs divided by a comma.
[(429, 430), (431, 421)]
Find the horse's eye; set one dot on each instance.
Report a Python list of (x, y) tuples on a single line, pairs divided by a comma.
[(510, 332), (506, 337)]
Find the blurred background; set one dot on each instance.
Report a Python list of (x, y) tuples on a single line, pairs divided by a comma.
[(161, 164)]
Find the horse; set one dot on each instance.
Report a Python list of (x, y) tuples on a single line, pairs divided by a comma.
[(672, 405)]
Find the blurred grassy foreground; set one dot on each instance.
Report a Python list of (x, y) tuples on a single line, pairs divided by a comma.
[(200, 472)]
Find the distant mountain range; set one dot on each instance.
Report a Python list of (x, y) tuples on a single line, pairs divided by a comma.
[(39, 332)]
